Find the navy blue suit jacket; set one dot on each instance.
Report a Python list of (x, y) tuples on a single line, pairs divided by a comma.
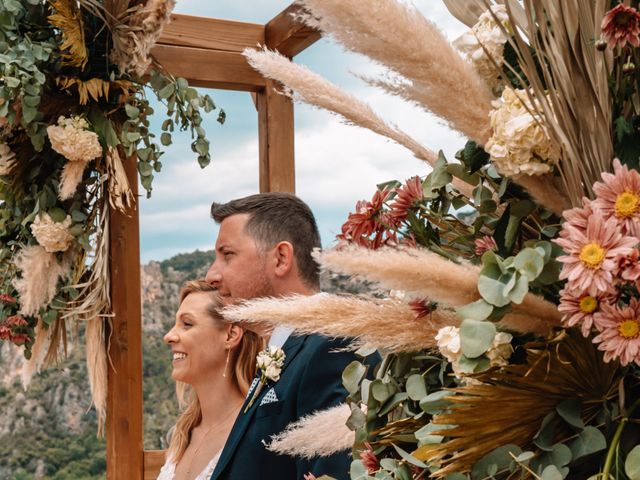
[(311, 380)]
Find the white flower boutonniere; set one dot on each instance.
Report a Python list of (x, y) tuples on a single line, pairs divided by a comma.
[(269, 362)]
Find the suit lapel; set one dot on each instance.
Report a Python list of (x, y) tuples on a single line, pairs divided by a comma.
[(291, 348)]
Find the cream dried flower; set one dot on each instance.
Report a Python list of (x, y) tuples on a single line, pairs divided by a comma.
[(448, 341), (6, 159), (52, 236), (501, 350), (483, 45), (72, 139), (520, 143)]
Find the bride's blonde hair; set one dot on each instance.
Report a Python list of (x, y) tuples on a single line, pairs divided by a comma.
[(243, 358)]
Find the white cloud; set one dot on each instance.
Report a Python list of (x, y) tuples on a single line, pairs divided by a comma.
[(336, 164)]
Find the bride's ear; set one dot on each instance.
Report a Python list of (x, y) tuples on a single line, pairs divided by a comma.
[(234, 335)]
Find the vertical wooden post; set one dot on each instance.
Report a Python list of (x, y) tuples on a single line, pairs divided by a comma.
[(124, 399), (276, 139)]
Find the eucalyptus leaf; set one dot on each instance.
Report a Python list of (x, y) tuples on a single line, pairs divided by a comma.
[(408, 457), (570, 410), (352, 375), (589, 441), (416, 387), (476, 337), (632, 464), (478, 310)]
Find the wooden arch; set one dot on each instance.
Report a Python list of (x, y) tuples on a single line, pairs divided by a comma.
[(207, 52)]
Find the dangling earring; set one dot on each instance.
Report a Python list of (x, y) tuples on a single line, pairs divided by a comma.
[(224, 374)]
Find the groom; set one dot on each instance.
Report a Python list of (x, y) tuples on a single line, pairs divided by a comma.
[(264, 249)]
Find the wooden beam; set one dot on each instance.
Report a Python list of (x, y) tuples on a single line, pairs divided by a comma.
[(124, 396), (275, 137), (287, 35), (209, 68), (211, 33), (153, 461)]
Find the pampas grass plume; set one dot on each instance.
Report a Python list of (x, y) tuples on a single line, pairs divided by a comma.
[(38, 351), (97, 368), (399, 37), (40, 274), (390, 325), (70, 179), (320, 434)]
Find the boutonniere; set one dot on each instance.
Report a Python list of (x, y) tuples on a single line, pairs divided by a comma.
[(269, 362)]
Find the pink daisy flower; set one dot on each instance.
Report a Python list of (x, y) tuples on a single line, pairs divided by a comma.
[(578, 217), (620, 25), (368, 220), (620, 336), (619, 196), (629, 266), (485, 244), (591, 259), (580, 309), (406, 197)]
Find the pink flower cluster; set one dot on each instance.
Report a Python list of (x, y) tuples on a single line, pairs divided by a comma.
[(602, 265), (374, 224), (7, 330)]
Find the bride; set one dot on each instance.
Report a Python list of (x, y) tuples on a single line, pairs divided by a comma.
[(213, 365)]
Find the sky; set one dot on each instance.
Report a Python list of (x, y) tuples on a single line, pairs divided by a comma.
[(336, 164)]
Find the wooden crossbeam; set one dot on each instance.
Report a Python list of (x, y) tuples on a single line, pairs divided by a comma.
[(287, 35), (211, 33)]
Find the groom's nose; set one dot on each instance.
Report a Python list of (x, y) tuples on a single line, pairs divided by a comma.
[(213, 276)]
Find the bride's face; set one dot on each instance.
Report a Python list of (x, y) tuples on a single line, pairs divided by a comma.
[(198, 343)]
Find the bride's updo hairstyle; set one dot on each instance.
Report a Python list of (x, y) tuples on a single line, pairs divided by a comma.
[(242, 358)]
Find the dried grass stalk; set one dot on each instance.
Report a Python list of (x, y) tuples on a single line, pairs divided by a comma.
[(399, 37), (509, 404), (40, 274), (96, 351), (38, 351), (301, 84), (571, 84), (320, 434), (389, 325), (429, 275)]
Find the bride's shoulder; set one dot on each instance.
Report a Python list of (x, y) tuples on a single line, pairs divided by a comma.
[(168, 471)]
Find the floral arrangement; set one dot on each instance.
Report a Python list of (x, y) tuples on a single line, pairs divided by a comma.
[(74, 79), (269, 363), (508, 304)]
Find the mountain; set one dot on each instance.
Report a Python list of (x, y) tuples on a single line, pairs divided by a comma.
[(49, 431)]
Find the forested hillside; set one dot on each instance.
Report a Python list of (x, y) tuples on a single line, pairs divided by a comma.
[(49, 431)]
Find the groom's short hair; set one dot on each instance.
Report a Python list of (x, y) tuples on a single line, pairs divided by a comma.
[(275, 217)]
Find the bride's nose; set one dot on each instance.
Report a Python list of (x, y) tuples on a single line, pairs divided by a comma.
[(171, 336)]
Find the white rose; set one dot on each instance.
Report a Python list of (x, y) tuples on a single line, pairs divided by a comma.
[(448, 341), (263, 361)]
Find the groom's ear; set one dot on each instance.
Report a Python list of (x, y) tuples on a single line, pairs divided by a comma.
[(234, 335), (283, 259)]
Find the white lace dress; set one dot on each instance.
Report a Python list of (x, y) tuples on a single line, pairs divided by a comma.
[(168, 470)]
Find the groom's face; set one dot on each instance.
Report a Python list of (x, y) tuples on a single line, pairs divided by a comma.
[(240, 270)]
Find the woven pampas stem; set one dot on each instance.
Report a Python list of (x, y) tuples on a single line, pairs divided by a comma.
[(422, 272), (304, 85), (38, 352), (40, 274), (399, 37), (96, 351), (318, 435), (390, 325)]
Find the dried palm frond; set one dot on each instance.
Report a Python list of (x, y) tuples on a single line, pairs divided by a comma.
[(96, 351), (320, 434), (120, 195), (94, 88), (570, 82), (58, 338), (301, 84), (433, 74), (431, 276), (509, 404), (390, 325), (68, 19)]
